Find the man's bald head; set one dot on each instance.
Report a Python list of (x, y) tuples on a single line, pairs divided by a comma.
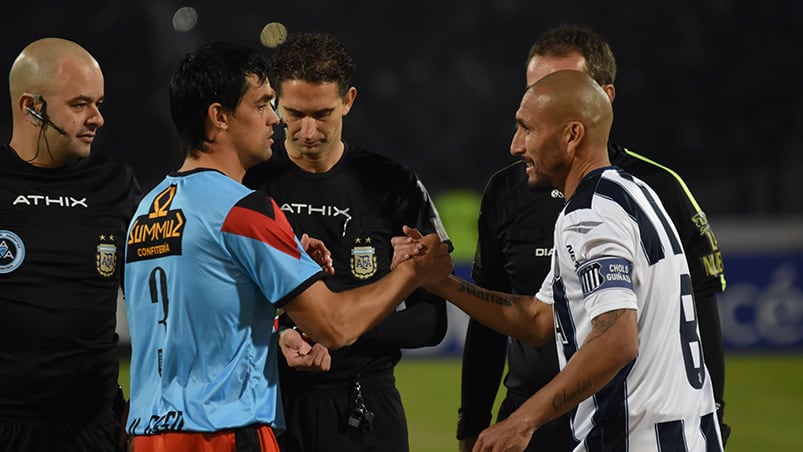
[(37, 68), (56, 90), (563, 125), (567, 95)]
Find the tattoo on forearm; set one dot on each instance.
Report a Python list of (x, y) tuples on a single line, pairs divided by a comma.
[(483, 295), (567, 398)]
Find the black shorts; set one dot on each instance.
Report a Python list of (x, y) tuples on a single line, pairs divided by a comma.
[(99, 433), (317, 418)]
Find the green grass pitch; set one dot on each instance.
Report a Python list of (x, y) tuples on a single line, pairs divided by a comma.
[(764, 395)]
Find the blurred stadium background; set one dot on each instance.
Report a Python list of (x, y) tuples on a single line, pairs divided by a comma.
[(710, 88)]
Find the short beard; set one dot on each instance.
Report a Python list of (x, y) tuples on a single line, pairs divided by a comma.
[(541, 181)]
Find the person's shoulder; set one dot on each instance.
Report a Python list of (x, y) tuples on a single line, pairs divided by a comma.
[(658, 176), (363, 156), (209, 188), (377, 165), (508, 178), (106, 159), (508, 194), (101, 167), (257, 175)]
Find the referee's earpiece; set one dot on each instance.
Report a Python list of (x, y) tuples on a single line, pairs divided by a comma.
[(41, 119), (38, 119)]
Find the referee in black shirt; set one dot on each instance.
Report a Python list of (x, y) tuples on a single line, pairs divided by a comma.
[(355, 201), (63, 216)]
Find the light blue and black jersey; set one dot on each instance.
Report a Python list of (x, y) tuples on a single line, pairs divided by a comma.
[(208, 262)]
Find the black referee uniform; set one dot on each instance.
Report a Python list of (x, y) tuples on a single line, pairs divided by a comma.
[(516, 227), (62, 233), (355, 208)]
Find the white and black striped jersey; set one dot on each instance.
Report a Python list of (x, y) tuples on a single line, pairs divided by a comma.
[(616, 248)]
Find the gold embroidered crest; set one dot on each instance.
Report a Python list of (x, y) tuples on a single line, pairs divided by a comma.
[(106, 258), (363, 260)]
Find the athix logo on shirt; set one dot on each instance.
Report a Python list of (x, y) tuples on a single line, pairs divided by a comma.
[(298, 208), (50, 201), (157, 233)]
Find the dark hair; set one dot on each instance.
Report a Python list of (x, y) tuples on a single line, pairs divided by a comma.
[(212, 73), (312, 57), (565, 39)]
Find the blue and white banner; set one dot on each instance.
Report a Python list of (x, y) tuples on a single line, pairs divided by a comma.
[(762, 306)]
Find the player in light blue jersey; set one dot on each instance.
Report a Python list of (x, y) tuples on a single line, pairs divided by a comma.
[(209, 262), (618, 299)]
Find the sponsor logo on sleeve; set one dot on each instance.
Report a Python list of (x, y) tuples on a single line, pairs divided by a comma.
[(12, 251)]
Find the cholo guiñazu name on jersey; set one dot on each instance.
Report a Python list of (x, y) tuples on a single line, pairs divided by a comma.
[(604, 272), (157, 233), (50, 201)]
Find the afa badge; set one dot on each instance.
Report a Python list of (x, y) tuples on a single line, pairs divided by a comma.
[(106, 257), (12, 251), (363, 259)]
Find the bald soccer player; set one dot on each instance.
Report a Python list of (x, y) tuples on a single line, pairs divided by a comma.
[(618, 299), (63, 217)]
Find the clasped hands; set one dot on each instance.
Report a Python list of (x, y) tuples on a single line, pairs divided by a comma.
[(432, 263), (412, 245)]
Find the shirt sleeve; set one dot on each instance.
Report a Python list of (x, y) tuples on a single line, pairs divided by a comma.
[(603, 251), (423, 320), (260, 239)]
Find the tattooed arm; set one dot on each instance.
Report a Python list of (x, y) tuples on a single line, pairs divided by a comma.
[(520, 316), (611, 345)]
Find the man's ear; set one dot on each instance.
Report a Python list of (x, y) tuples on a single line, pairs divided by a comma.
[(573, 135), (218, 116), (610, 90), (27, 103), (348, 100)]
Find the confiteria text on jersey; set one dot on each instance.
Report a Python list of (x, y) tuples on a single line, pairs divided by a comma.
[(48, 201)]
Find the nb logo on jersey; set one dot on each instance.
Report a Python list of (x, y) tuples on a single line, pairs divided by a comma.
[(50, 201), (570, 250)]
